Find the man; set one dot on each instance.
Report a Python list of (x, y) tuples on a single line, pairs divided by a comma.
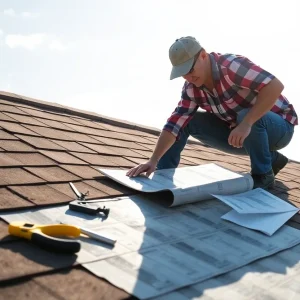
[(243, 112)]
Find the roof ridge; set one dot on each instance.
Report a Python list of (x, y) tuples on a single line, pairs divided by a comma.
[(55, 107)]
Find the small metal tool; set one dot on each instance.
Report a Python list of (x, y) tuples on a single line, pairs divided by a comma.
[(84, 206), (80, 196)]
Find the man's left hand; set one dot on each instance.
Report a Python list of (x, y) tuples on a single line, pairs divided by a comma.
[(238, 135)]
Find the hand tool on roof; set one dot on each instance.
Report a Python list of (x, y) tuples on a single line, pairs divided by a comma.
[(48, 236), (84, 206)]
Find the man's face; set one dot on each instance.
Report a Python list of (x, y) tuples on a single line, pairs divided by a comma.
[(197, 73)]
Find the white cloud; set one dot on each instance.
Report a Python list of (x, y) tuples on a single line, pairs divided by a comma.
[(57, 45), (32, 41), (9, 12), (29, 42), (27, 14), (1, 32)]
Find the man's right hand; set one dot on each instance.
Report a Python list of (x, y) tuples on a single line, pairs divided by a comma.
[(165, 141), (147, 168)]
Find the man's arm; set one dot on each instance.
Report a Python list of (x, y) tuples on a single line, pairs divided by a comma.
[(180, 117), (165, 141), (245, 74), (266, 99)]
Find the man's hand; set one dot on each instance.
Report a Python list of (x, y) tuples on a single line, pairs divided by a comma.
[(238, 135), (148, 167)]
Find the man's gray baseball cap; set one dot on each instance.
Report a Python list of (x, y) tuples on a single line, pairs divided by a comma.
[(182, 54)]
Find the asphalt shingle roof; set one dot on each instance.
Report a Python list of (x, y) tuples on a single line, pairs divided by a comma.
[(44, 146)]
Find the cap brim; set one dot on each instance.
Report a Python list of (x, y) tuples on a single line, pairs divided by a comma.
[(182, 69)]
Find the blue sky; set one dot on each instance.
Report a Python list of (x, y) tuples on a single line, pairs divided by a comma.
[(111, 57)]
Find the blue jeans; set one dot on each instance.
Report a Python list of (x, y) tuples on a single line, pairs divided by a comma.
[(268, 134)]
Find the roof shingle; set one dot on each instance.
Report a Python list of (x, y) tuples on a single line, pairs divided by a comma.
[(62, 157), (25, 119), (11, 145), (6, 136), (82, 187), (16, 128), (52, 174), (10, 108), (18, 176), (48, 132), (41, 194), (40, 142), (31, 159), (21, 258), (6, 160), (73, 146), (10, 200)]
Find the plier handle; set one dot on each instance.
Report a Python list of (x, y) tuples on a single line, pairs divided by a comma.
[(48, 236)]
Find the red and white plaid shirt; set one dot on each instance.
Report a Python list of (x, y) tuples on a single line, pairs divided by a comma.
[(237, 84)]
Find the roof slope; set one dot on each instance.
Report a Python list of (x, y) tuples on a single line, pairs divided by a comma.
[(44, 146)]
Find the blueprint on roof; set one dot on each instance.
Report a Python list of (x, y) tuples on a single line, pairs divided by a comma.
[(258, 209), (255, 209), (159, 249), (186, 184), (275, 277)]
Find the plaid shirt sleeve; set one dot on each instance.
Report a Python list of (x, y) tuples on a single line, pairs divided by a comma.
[(245, 74), (182, 114)]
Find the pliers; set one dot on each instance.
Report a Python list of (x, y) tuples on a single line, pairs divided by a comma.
[(48, 236)]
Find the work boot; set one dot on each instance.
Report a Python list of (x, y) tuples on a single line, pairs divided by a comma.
[(264, 181), (279, 163)]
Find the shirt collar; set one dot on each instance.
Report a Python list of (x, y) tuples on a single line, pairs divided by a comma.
[(214, 68)]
